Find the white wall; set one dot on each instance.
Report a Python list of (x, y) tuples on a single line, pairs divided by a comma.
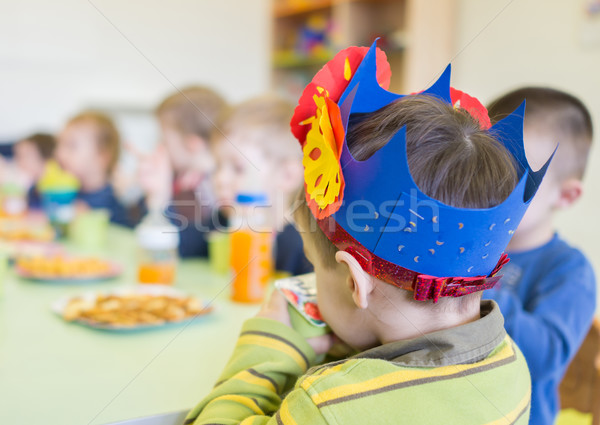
[(57, 57), (538, 42)]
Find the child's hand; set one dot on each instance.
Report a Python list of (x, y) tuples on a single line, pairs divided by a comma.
[(80, 207), (276, 308), (155, 176), (189, 180)]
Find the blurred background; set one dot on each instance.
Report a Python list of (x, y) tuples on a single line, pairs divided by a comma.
[(123, 57)]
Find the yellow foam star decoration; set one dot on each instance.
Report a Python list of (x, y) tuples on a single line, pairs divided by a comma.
[(322, 151)]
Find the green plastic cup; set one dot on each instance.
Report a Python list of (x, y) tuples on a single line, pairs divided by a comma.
[(88, 230), (219, 248)]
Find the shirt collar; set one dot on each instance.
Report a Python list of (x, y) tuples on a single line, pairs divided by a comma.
[(468, 343)]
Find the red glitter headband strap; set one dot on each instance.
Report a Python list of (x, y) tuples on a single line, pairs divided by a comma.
[(425, 287)]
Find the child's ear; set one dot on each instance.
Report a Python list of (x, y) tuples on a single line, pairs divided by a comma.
[(359, 282), (570, 191)]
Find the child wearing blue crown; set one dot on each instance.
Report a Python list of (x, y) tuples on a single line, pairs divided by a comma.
[(408, 205)]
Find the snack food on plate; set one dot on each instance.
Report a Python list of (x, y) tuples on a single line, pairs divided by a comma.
[(64, 267), (25, 231), (132, 309)]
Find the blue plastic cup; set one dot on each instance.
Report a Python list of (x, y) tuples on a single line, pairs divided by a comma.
[(60, 209)]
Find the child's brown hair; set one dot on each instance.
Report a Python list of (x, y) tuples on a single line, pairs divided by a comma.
[(558, 114), (450, 157), (107, 135), (44, 143), (192, 110)]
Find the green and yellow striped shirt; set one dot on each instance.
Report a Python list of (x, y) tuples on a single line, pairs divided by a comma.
[(471, 374)]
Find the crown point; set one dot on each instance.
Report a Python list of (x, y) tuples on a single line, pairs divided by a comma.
[(400, 247), (432, 251), (506, 221), (461, 225), (484, 256), (492, 226), (461, 249), (416, 259), (439, 243), (488, 243), (469, 269), (435, 219)]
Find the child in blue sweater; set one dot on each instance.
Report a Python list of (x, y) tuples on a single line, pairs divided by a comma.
[(548, 292), (88, 147)]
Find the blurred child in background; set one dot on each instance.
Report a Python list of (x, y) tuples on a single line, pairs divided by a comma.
[(32, 153), (30, 156), (177, 176), (89, 147), (256, 152), (548, 292)]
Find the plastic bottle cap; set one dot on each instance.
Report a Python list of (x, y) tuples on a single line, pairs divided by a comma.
[(157, 237), (255, 198)]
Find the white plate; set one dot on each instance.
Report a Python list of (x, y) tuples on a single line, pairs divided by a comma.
[(59, 306)]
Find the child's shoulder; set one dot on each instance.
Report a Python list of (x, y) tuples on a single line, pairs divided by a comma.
[(105, 198), (356, 385), (554, 255), (551, 270)]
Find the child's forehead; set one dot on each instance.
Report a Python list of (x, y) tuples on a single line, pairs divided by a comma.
[(24, 144), (83, 131), (81, 126), (235, 148)]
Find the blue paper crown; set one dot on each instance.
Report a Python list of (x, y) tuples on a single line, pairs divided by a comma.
[(389, 215)]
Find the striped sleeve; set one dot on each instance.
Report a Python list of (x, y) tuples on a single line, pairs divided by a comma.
[(267, 360)]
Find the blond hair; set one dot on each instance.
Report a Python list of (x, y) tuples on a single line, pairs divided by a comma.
[(264, 121), (106, 134), (192, 110)]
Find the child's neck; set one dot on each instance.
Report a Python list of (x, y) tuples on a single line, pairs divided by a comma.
[(407, 319), (93, 182), (427, 326), (532, 238)]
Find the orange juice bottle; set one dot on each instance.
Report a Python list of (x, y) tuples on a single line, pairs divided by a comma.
[(251, 248), (158, 240)]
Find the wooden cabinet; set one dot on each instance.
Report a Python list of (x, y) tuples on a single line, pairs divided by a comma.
[(417, 36)]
